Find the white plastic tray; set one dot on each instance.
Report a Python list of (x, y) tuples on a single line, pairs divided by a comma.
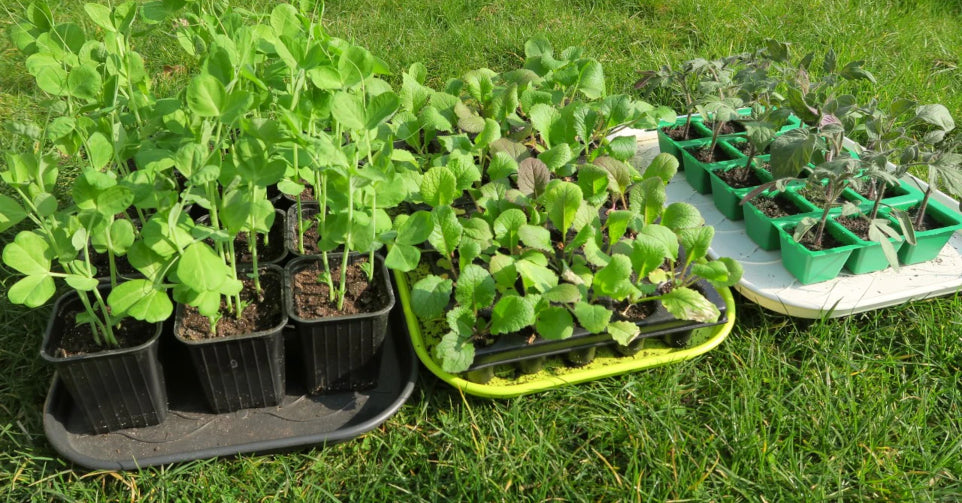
[(767, 283)]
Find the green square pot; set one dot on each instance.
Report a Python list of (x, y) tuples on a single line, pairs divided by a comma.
[(929, 243), (727, 198), (761, 229), (696, 172), (868, 255), (666, 144), (814, 266)]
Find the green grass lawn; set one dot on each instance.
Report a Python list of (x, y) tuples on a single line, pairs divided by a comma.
[(862, 408)]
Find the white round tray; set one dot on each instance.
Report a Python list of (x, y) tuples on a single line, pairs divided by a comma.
[(767, 283)]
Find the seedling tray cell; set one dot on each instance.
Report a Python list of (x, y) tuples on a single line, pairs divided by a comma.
[(192, 432), (555, 374), (767, 283)]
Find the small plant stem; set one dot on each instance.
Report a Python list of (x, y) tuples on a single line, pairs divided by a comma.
[(920, 216), (236, 307), (252, 247), (108, 333), (822, 222), (112, 265)]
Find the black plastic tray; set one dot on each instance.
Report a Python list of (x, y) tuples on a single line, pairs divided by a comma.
[(192, 432)]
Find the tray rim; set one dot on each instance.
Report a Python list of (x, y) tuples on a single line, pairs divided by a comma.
[(617, 366), (58, 436)]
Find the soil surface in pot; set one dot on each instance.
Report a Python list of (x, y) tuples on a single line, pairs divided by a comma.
[(262, 312), (626, 311), (928, 223), (270, 251), (746, 148), (311, 235), (739, 178), (828, 241), (702, 154), (79, 339), (775, 207), (890, 191), (858, 226), (312, 297), (102, 262), (677, 133), (730, 127)]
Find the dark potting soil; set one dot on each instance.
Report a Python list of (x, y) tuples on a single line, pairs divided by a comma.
[(858, 226), (634, 312), (739, 178), (270, 251), (828, 241), (312, 297), (703, 155), (730, 127), (866, 191), (262, 312), (775, 207), (677, 133), (311, 235), (79, 339), (102, 262), (928, 223)]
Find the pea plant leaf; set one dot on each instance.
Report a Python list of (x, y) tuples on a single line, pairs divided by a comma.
[(402, 257), (11, 213), (140, 299), (206, 96)]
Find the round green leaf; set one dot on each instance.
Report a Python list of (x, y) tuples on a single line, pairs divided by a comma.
[(140, 300), (32, 291), (430, 296), (475, 287), (206, 96), (84, 82), (28, 254), (439, 187), (555, 323), (511, 314)]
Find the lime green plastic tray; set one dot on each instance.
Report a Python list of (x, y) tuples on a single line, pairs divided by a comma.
[(555, 373)]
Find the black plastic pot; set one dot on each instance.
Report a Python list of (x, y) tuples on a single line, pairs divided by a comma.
[(308, 210), (115, 388), (276, 234), (515, 349), (241, 371), (340, 353)]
